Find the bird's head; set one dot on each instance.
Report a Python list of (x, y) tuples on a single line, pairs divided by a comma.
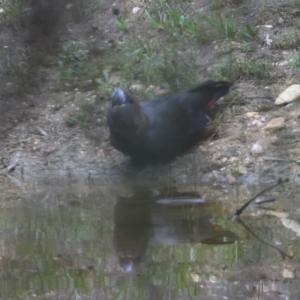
[(122, 96)]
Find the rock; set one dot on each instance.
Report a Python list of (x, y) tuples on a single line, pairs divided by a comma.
[(251, 114), (250, 178), (135, 10), (248, 161), (114, 80), (289, 272), (257, 123), (233, 159), (150, 89), (275, 124), (257, 149), (231, 179), (224, 160), (137, 87), (291, 94), (157, 90)]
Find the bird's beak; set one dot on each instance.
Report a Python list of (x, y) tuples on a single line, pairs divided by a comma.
[(118, 97)]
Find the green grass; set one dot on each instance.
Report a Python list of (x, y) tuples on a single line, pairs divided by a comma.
[(83, 116), (175, 20), (155, 64), (122, 23), (72, 60), (289, 39), (294, 60), (13, 9), (221, 27), (249, 33), (233, 68)]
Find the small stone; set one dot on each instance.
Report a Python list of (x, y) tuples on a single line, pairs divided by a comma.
[(231, 179), (114, 80), (251, 114), (257, 123), (135, 10), (248, 161), (291, 94), (233, 159), (282, 63), (275, 124), (137, 87), (289, 272), (257, 149), (150, 89), (160, 91), (224, 160), (195, 277)]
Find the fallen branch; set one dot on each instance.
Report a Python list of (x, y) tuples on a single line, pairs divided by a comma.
[(240, 210), (296, 161), (282, 254)]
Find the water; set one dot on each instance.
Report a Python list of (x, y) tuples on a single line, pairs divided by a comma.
[(127, 240)]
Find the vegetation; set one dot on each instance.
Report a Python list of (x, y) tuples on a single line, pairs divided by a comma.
[(170, 47)]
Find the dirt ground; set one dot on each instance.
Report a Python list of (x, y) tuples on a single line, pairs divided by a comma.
[(34, 109)]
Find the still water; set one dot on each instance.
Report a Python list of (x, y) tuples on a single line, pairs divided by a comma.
[(148, 240)]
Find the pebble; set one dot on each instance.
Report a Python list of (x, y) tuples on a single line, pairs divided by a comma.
[(231, 179), (275, 124), (257, 123), (248, 161), (257, 149), (292, 93), (233, 159), (224, 160), (251, 114), (114, 80), (135, 10), (137, 87)]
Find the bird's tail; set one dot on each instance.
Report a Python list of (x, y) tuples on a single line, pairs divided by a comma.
[(210, 91)]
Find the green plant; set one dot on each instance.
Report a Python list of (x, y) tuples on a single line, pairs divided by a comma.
[(59, 101), (289, 39), (216, 4), (13, 9), (122, 23), (83, 116), (72, 60), (249, 33), (233, 68), (174, 19), (220, 27), (245, 47), (294, 60), (154, 63)]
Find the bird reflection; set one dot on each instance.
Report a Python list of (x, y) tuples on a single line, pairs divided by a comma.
[(144, 219)]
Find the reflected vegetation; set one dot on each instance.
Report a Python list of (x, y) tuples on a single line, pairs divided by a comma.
[(112, 241)]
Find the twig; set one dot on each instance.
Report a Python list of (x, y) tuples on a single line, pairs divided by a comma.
[(283, 254), (281, 159), (240, 210), (265, 201)]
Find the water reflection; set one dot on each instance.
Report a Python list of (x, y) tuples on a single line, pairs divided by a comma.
[(142, 220), (141, 241)]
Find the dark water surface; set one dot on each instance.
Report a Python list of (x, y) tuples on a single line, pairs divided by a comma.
[(114, 240)]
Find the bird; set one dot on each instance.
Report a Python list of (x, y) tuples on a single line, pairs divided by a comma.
[(161, 129)]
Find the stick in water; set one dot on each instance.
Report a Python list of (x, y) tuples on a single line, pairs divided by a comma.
[(240, 210)]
